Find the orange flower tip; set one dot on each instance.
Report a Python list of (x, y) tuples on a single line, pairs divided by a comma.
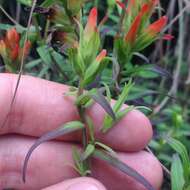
[(15, 52), (12, 36), (2, 44), (145, 9), (168, 37), (157, 26), (92, 20), (102, 54)]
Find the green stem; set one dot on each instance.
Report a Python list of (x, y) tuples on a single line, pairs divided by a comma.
[(46, 29), (81, 112)]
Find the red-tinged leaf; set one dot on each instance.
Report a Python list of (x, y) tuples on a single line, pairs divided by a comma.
[(101, 100), (160, 71), (116, 163), (65, 129), (168, 37)]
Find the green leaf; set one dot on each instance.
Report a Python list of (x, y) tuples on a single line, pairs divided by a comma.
[(122, 97), (116, 163), (90, 126), (25, 2), (182, 151), (177, 178), (77, 61), (83, 99), (48, 3), (74, 6), (64, 129), (88, 152), (91, 72), (79, 165), (33, 63), (44, 54), (108, 122)]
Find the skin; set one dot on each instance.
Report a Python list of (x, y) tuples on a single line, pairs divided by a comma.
[(41, 106)]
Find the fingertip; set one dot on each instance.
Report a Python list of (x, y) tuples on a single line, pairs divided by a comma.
[(140, 129), (132, 133), (81, 183), (143, 162), (149, 166)]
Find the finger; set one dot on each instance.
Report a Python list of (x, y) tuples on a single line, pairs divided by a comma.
[(81, 183), (40, 107), (51, 164)]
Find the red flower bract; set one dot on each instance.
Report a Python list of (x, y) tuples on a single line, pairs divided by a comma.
[(91, 25), (157, 26), (131, 35), (102, 54), (10, 47)]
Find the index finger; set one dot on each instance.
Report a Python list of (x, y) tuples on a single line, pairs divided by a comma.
[(40, 107)]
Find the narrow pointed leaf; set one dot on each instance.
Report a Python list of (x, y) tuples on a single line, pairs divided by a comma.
[(182, 151), (116, 163), (122, 97), (100, 99), (143, 57), (65, 129), (160, 71), (89, 151), (177, 177)]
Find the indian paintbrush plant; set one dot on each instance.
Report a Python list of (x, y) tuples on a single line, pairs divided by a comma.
[(11, 50), (83, 49)]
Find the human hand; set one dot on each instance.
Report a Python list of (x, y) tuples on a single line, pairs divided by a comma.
[(40, 107)]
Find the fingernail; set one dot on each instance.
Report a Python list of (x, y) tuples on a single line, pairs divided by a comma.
[(82, 186)]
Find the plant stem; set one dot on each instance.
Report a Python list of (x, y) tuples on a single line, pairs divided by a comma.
[(81, 112)]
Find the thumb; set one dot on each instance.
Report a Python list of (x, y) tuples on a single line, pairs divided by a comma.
[(81, 183)]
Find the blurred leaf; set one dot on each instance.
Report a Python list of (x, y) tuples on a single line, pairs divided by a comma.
[(33, 63), (64, 129), (48, 3), (182, 151), (116, 163), (44, 53), (160, 71), (25, 2), (144, 58), (177, 177)]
